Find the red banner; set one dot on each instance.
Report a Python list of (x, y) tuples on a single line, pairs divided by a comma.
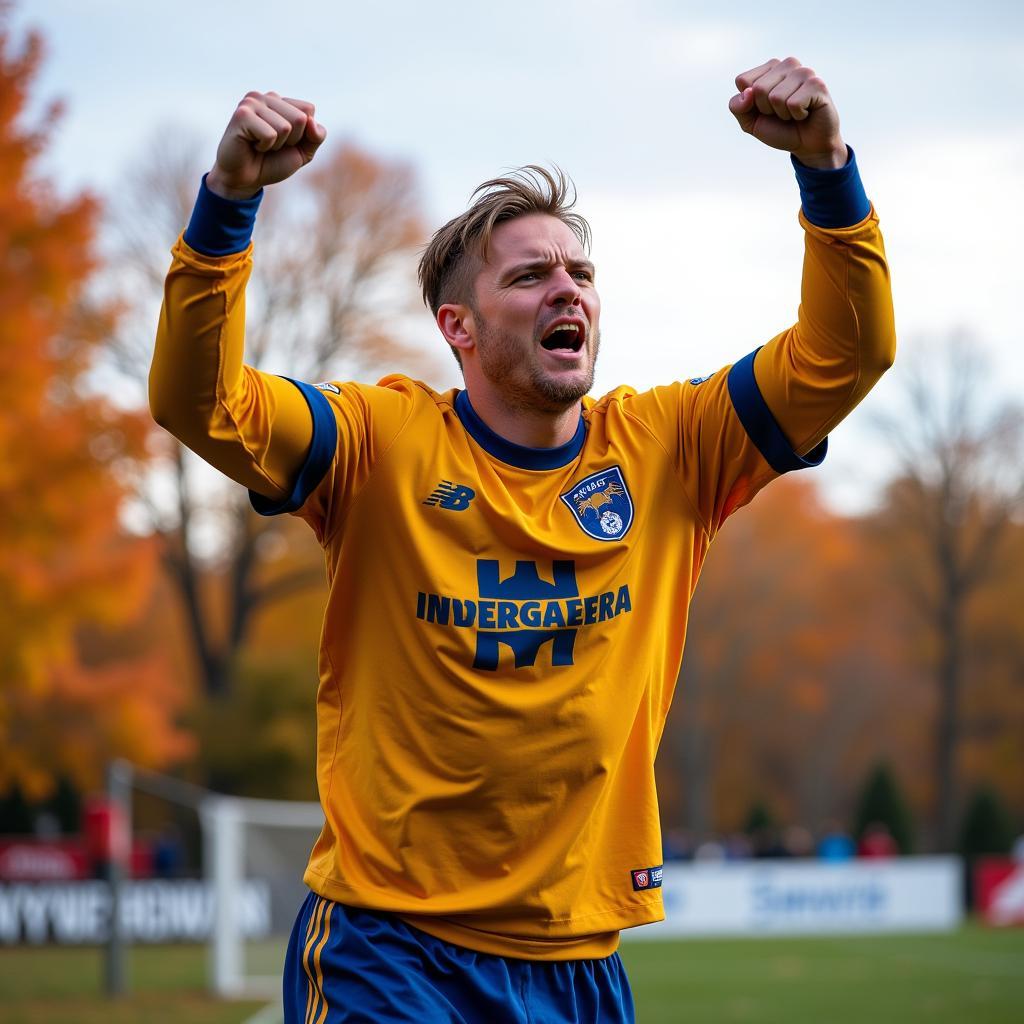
[(64, 860), (38, 860), (999, 890)]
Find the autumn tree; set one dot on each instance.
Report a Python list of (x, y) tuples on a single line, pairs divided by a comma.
[(821, 644), (66, 568), (795, 680), (329, 298), (946, 524), (991, 749), (776, 694), (881, 802)]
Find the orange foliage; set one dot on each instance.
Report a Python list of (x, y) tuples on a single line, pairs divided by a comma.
[(993, 745), (793, 681), (63, 559), (806, 664)]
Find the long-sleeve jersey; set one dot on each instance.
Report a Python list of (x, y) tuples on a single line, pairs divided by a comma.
[(505, 625)]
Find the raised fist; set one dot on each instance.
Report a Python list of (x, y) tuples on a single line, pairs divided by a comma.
[(268, 138), (787, 106)]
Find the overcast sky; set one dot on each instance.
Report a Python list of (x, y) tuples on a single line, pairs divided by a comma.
[(696, 240)]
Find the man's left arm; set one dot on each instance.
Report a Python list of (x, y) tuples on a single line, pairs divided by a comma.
[(812, 375)]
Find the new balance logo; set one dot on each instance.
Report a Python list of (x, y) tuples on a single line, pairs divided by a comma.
[(454, 497)]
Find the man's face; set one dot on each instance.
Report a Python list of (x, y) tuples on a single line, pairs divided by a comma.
[(536, 315)]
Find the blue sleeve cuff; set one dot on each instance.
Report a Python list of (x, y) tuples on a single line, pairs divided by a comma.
[(833, 198), (760, 424), (318, 461), (220, 227)]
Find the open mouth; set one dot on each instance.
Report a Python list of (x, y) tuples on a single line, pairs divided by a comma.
[(567, 335)]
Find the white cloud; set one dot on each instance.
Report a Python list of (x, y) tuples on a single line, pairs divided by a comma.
[(699, 47), (691, 282), (953, 218)]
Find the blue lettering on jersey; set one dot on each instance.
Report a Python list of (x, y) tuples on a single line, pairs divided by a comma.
[(452, 496), (525, 645), (524, 612), (525, 583), (601, 504)]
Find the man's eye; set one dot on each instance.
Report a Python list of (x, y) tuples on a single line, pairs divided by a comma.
[(528, 277), (585, 275)]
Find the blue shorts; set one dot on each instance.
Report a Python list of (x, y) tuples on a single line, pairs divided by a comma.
[(350, 965)]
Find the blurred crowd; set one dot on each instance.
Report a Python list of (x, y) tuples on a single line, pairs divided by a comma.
[(832, 843)]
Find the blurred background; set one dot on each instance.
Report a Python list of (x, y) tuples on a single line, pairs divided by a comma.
[(853, 682)]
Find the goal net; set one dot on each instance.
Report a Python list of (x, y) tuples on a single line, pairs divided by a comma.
[(254, 853)]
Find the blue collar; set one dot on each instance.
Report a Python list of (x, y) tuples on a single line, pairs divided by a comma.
[(517, 454)]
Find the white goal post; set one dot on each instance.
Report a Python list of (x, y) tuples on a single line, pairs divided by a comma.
[(254, 843)]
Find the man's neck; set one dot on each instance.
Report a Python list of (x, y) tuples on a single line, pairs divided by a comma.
[(527, 427)]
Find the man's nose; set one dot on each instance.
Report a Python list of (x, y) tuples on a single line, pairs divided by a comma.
[(565, 289)]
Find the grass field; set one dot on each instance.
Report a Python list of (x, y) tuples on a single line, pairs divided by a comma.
[(974, 976)]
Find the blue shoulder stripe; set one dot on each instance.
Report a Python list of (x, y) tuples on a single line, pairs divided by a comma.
[(760, 424), (318, 461)]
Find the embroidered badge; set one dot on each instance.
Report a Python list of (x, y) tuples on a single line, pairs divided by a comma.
[(601, 504), (327, 386), (700, 380)]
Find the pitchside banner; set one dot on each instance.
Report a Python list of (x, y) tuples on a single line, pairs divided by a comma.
[(744, 898), (999, 891), (809, 898), (78, 913)]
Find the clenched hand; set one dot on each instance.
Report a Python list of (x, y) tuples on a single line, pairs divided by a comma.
[(268, 138), (787, 106)]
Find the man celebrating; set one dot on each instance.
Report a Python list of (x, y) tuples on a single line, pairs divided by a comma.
[(510, 566)]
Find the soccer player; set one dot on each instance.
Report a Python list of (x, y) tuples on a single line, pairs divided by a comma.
[(510, 565)]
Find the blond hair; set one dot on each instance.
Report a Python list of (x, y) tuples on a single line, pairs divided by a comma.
[(452, 257)]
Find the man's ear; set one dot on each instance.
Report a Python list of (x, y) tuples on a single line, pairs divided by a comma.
[(456, 324)]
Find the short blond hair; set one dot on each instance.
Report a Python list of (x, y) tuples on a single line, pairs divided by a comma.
[(452, 257)]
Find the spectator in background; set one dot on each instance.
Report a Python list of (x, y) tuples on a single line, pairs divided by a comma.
[(1017, 850), (711, 851), (168, 852), (46, 825), (767, 844), (877, 842), (835, 845), (737, 847), (677, 845), (798, 841)]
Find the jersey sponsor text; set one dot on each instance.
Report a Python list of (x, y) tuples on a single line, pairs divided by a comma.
[(524, 612)]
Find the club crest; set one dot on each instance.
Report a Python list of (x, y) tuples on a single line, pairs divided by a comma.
[(601, 504)]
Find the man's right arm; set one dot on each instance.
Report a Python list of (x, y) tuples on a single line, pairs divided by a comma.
[(256, 428)]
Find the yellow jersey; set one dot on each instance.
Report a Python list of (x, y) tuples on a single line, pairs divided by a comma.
[(505, 625)]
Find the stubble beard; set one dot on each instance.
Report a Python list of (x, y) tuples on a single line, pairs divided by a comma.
[(501, 361)]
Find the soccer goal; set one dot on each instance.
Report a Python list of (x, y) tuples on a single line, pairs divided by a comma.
[(254, 853)]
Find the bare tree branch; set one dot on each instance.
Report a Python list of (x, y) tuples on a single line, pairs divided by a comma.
[(961, 485), (334, 258)]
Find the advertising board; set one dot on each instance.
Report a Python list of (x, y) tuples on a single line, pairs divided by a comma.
[(809, 897)]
